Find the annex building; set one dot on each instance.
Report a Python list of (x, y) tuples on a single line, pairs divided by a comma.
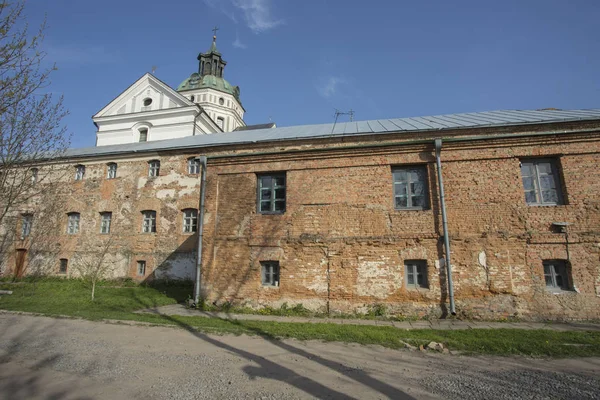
[(339, 218)]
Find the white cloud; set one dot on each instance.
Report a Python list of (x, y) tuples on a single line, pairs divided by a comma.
[(257, 14), (71, 56), (330, 86), (238, 43)]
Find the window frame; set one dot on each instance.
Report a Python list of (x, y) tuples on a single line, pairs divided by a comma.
[(62, 261), (537, 188), (153, 168), (143, 131), (26, 224), (103, 221), (190, 222), (111, 170), (141, 263), (79, 172), (269, 270), (416, 268), (193, 164), (34, 175), (409, 195), (564, 274), (148, 221), (73, 224), (273, 200)]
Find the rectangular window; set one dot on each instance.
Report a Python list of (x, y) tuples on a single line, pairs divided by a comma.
[(556, 275), (73, 225), (141, 268), (271, 194), (26, 225), (149, 222), (105, 219), (62, 268), (193, 166), (416, 274), (541, 182), (410, 188), (143, 134), (270, 273), (111, 171), (190, 220), (79, 172), (34, 175), (153, 168)]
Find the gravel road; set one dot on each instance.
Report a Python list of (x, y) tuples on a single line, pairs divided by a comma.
[(46, 358)]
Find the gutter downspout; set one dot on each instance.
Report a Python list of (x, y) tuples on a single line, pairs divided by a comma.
[(438, 150), (202, 160)]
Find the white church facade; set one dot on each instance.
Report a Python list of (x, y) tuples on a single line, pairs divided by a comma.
[(205, 103)]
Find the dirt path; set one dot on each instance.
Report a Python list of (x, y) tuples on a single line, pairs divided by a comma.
[(45, 358)]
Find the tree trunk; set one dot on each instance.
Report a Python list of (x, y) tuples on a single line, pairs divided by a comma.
[(93, 289)]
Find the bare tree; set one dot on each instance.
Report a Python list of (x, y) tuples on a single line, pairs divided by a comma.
[(96, 265), (31, 130)]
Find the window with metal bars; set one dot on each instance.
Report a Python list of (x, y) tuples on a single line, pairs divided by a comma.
[(541, 182), (141, 268), (416, 274), (26, 223), (271, 193), (79, 172)]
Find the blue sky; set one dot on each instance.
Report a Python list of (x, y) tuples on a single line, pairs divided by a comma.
[(297, 61)]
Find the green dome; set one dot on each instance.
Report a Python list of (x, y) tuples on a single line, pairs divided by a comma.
[(195, 81)]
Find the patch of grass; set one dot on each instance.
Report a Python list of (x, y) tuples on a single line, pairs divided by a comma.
[(117, 302)]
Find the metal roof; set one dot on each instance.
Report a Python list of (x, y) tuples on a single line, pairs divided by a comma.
[(414, 124)]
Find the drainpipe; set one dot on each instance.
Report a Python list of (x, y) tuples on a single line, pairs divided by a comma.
[(438, 150), (202, 160)]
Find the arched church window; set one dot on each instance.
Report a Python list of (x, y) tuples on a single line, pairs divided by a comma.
[(221, 101), (221, 123), (207, 68), (192, 98)]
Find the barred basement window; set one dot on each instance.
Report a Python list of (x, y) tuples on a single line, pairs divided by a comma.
[(556, 275), (73, 223), (193, 166), (190, 220), (416, 274), (111, 169), (79, 172), (141, 268), (26, 222), (149, 221), (62, 267), (541, 182), (410, 188), (271, 194), (153, 168), (270, 273), (105, 219)]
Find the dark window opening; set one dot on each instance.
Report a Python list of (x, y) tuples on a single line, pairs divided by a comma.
[(62, 269), (556, 275), (270, 273), (141, 268)]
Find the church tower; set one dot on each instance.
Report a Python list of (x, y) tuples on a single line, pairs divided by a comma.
[(207, 88)]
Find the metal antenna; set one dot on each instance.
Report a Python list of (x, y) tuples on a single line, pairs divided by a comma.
[(338, 113)]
